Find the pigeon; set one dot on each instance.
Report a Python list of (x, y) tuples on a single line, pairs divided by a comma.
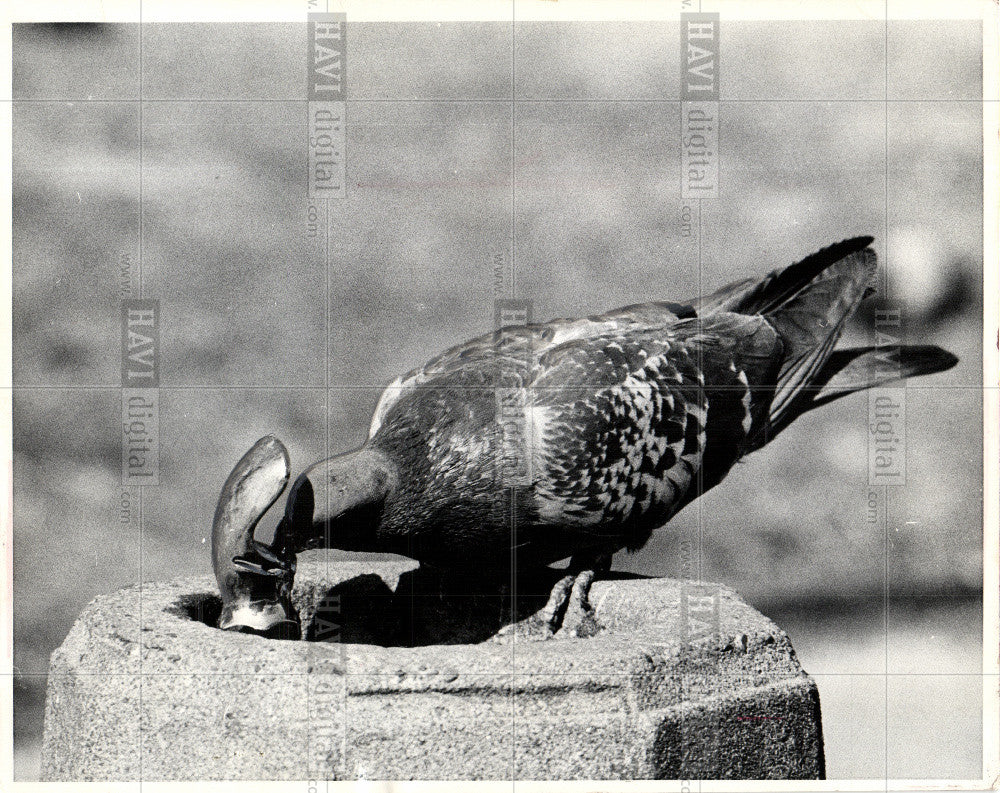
[(574, 438)]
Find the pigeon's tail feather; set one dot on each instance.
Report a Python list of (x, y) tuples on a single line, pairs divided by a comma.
[(856, 369), (808, 304), (761, 295)]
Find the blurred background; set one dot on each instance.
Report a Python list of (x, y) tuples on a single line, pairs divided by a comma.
[(828, 130)]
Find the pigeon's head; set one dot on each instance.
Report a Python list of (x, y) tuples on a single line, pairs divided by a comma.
[(336, 503)]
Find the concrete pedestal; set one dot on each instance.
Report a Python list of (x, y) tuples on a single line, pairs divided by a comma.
[(400, 678)]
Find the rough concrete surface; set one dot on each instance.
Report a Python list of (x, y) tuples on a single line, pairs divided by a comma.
[(402, 679)]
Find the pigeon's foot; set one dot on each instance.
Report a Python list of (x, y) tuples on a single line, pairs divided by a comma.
[(567, 613), (578, 618)]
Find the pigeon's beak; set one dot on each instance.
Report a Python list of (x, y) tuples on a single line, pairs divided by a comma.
[(254, 581)]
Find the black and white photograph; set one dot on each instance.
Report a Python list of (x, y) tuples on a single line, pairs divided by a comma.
[(516, 392)]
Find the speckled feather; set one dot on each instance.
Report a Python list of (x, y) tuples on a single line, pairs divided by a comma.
[(617, 420)]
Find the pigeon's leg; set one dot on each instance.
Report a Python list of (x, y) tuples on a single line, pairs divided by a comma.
[(543, 624), (567, 612), (551, 615), (577, 615)]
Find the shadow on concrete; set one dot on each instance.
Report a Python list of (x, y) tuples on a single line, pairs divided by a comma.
[(427, 606)]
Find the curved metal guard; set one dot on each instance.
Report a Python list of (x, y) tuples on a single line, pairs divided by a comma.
[(255, 583)]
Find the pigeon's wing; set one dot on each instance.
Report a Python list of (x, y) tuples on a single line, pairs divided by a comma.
[(473, 353), (537, 339), (450, 407), (623, 425)]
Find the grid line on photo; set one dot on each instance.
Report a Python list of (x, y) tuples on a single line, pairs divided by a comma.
[(885, 489), (506, 101), (513, 296), (380, 386), (139, 286)]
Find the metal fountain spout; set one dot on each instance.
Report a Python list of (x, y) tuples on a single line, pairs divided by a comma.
[(255, 580)]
